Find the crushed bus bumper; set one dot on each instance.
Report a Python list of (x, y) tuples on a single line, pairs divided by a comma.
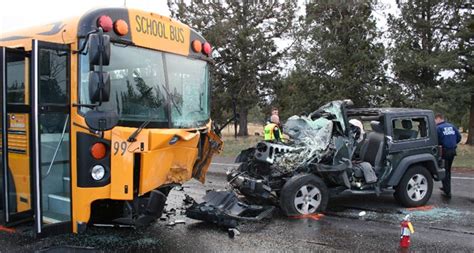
[(142, 172)]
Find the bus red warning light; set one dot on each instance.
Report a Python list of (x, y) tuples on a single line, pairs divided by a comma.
[(98, 150), (105, 22), (206, 48)]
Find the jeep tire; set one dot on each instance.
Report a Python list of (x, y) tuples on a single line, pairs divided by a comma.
[(303, 194), (415, 188)]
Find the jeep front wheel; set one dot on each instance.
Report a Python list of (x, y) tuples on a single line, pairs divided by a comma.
[(303, 194), (415, 188)]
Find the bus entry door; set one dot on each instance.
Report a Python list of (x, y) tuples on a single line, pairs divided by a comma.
[(16, 171), (50, 100), (35, 161)]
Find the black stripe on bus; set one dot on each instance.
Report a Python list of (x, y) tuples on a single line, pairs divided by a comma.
[(17, 151)]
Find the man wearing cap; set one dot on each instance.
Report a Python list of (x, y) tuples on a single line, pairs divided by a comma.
[(448, 138)]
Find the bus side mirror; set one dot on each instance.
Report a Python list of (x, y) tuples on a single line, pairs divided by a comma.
[(99, 45), (101, 120), (99, 91)]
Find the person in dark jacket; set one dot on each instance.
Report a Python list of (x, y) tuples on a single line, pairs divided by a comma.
[(448, 138)]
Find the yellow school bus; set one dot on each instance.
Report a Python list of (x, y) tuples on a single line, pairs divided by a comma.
[(101, 116)]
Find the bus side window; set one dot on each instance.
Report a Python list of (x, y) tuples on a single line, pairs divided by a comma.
[(53, 77), (16, 80)]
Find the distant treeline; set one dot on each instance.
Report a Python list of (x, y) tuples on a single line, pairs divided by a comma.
[(297, 57)]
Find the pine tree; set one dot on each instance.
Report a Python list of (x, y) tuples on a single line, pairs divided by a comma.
[(132, 101), (431, 55), (423, 47), (339, 56), (465, 38), (247, 59)]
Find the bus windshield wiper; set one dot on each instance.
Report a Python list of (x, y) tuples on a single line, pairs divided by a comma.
[(172, 100), (133, 136)]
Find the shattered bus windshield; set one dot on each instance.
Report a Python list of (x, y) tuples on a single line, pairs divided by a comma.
[(156, 86)]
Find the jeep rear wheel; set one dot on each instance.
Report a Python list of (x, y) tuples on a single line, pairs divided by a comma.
[(303, 194), (415, 188)]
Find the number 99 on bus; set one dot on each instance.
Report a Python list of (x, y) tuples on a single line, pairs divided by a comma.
[(120, 146)]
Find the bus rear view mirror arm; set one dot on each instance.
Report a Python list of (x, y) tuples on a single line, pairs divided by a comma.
[(106, 41)]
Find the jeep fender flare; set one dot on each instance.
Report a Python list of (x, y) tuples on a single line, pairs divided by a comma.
[(426, 160)]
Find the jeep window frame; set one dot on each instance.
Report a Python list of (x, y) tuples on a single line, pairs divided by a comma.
[(427, 136)]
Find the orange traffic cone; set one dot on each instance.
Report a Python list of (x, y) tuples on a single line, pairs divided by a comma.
[(405, 233)]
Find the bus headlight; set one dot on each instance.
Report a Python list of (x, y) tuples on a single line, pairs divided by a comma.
[(98, 172)]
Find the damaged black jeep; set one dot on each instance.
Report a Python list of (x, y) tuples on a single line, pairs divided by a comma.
[(390, 150)]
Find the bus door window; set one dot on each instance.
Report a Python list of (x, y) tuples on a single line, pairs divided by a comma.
[(18, 171), (54, 124), (16, 81)]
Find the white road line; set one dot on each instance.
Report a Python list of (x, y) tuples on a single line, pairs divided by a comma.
[(466, 178), (236, 165), (225, 164)]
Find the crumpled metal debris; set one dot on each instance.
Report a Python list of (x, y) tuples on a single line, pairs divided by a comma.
[(179, 222), (188, 200), (170, 212), (311, 136), (224, 209), (311, 139), (233, 232)]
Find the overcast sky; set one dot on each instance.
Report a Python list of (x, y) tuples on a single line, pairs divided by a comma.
[(17, 14)]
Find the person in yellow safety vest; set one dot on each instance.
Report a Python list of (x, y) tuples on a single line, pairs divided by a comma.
[(272, 131)]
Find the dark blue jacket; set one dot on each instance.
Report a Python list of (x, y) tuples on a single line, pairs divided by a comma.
[(448, 135)]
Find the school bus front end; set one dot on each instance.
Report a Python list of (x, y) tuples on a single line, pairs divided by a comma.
[(117, 135), (160, 91), (137, 176)]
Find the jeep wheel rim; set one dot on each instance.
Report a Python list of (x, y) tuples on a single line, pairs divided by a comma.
[(307, 199), (417, 187)]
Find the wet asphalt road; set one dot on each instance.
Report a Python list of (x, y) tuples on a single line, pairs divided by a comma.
[(444, 225)]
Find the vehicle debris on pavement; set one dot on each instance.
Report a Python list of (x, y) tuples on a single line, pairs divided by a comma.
[(188, 200), (233, 232), (179, 222), (223, 208)]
